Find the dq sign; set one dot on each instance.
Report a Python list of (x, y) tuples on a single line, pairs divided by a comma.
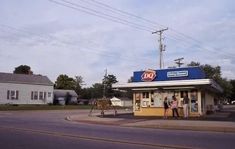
[(148, 75)]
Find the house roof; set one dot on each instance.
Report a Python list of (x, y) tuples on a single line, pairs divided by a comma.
[(166, 84), (63, 93), (25, 79)]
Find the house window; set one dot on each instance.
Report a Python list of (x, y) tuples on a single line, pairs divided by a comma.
[(32, 95), (35, 95), (13, 94), (49, 94), (41, 95), (38, 95), (8, 94)]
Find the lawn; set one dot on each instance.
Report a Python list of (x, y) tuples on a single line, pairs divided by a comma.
[(42, 107)]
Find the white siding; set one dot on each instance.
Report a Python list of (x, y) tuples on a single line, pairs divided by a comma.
[(25, 93)]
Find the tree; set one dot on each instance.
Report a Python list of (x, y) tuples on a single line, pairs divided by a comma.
[(78, 84), (23, 69), (108, 81), (194, 64), (65, 82), (232, 95), (96, 91), (210, 71), (227, 87), (215, 74)]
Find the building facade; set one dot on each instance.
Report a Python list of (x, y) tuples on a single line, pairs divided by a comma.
[(25, 89), (151, 87)]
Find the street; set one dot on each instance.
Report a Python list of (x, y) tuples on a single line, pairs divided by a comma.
[(49, 129)]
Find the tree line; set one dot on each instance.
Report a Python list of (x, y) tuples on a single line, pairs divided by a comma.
[(63, 81)]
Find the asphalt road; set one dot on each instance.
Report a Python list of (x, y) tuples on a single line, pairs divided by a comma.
[(49, 129)]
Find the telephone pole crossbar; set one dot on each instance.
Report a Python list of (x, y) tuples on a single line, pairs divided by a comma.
[(178, 61), (161, 46)]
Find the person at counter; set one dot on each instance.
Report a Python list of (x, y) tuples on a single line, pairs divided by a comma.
[(174, 107), (185, 105), (166, 107)]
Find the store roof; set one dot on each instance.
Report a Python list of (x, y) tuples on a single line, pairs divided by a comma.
[(173, 83)]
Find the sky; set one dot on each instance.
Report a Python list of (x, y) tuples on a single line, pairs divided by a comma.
[(85, 37)]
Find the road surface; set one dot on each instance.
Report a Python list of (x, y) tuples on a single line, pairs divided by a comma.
[(49, 129)]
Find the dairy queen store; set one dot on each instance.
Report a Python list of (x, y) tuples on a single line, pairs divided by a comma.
[(150, 87)]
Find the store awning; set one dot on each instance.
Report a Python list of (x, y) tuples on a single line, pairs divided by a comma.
[(174, 83)]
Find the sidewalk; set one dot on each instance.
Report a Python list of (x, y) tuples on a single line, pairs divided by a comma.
[(131, 121)]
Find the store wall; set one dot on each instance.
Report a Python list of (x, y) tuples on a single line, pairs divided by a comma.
[(150, 103), (209, 99)]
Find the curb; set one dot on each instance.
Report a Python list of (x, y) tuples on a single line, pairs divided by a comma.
[(157, 126), (190, 128)]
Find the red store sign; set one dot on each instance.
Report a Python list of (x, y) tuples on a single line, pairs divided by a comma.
[(148, 75)]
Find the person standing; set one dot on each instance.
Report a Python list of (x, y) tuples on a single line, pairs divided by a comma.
[(174, 107), (185, 105), (166, 107)]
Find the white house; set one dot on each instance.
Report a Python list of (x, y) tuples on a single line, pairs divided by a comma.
[(25, 89)]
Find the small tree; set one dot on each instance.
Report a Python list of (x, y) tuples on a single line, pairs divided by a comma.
[(65, 82), (108, 81), (23, 69), (78, 85)]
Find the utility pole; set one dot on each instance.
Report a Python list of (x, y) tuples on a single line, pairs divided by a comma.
[(178, 61), (161, 46), (105, 83)]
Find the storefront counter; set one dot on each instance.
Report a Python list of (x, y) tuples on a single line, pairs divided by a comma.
[(155, 111)]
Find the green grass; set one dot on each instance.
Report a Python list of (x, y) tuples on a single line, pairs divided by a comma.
[(42, 107)]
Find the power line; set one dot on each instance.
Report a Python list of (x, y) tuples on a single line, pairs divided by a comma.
[(100, 15), (187, 37), (95, 14), (110, 18), (119, 11)]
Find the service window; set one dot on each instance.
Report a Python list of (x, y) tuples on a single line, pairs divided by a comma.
[(137, 101), (146, 100), (193, 101), (157, 98)]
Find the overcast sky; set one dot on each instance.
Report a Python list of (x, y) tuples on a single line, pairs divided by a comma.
[(84, 37)]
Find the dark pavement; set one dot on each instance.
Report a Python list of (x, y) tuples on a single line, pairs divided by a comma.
[(49, 129)]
